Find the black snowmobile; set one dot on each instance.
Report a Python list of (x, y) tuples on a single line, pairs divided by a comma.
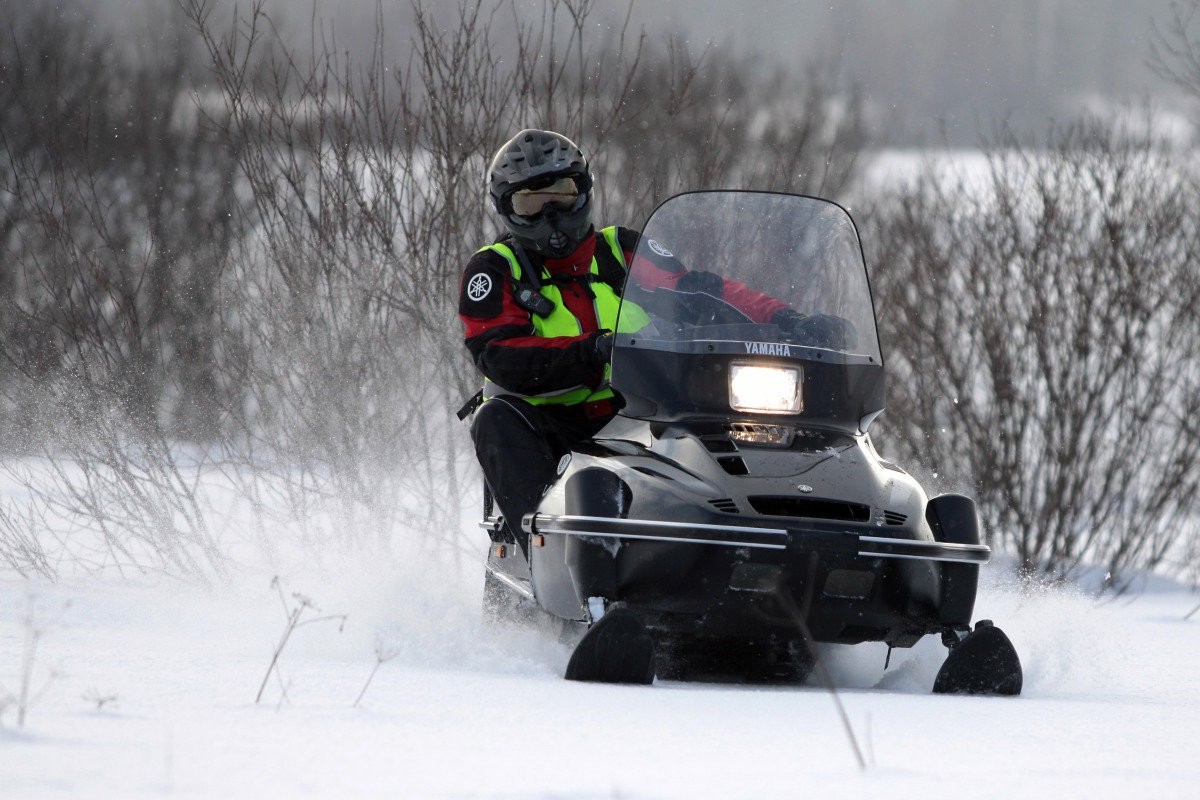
[(736, 511)]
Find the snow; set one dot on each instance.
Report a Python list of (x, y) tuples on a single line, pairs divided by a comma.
[(1110, 706)]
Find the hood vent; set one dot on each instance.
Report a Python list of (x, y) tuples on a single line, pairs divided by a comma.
[(725, 504), (810, 507), (894, 518)]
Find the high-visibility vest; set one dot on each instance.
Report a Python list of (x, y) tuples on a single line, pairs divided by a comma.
[(561, 322)]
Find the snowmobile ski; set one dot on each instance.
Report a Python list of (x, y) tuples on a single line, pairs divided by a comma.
[(617, 649), (984, 662)]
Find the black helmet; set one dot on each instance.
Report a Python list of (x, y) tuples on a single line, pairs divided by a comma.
[(545, 175)]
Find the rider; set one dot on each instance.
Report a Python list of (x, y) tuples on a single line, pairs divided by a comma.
[(539, 307)]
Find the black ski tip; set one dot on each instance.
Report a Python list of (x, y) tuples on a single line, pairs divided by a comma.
[(617, 649), (983, 663)]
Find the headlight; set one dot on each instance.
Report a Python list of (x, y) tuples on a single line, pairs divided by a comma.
[(771, 390)]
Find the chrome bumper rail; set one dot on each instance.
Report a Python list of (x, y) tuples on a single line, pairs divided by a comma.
[(881, 547), (745, 536), (657, 531)]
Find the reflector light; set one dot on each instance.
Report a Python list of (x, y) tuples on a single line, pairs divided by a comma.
[(767, 435), (771, 390)]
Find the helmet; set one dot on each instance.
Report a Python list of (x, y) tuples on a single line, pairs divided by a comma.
[(545, 176)]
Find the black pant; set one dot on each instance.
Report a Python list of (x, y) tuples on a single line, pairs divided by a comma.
[(519, 447)]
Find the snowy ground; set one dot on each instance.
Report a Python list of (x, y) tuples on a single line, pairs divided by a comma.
[(146, 687), (1110, 709)]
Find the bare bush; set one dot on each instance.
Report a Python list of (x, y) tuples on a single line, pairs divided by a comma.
[(727, 124), (36, 625), (338, 328), (115, 228), (1175, 47), (365, 197), (260, 255), (1045, 343), (294, 611), (115, 218), (383, 654), (22, 536)]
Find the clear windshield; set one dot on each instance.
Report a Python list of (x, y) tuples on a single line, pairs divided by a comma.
[(751, 267)]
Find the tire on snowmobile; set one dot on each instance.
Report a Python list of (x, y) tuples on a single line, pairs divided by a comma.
[(953, 520)]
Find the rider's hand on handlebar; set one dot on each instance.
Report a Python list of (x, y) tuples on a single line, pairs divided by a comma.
[(818, 330)]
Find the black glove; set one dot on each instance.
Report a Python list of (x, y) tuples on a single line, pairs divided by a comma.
[(818, 330), (604, 346)]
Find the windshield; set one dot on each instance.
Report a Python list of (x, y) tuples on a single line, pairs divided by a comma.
[(751, 267), (749, 306)]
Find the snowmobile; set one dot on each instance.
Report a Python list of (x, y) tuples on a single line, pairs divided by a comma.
[(736, 511)]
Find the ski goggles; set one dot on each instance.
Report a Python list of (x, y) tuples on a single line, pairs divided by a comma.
[(563, 195)]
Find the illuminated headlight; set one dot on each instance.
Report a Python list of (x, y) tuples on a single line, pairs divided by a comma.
[(770, 390)]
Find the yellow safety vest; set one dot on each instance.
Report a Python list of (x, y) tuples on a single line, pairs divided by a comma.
[(561, 322)]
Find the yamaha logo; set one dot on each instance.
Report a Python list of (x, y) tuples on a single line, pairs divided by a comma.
[(479, 287), (768, 349), (658, 248), (805, 488)]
